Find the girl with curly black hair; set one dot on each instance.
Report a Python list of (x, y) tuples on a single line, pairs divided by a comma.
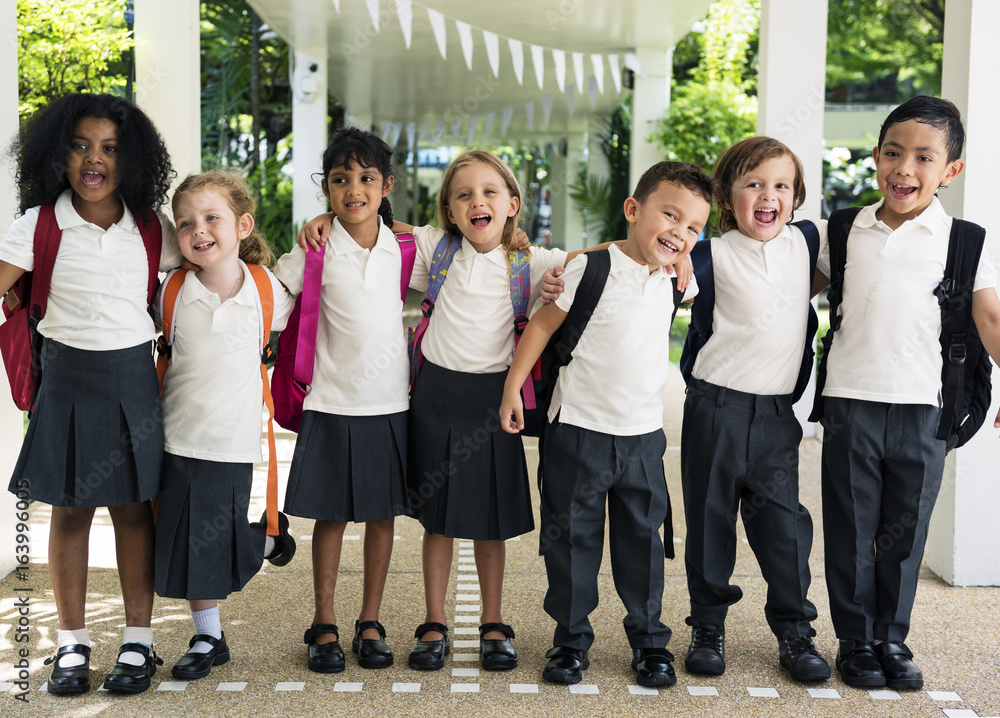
[(92, 172)]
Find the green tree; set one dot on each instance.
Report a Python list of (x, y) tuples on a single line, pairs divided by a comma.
[(69, 46)]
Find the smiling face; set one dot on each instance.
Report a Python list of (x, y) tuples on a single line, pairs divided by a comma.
[(208, 230), (665, 226), (479, 204), (91, 167), (355, 194), (762, 199), (910, 166)]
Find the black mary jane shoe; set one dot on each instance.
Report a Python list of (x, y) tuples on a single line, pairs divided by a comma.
[(497, 654), (72, 680), (859, 666), (653, 667), (126, 678), (429, 655), (324, 657), (565, 665), (199, 665), (898, 666), (284, 544), (371, 652)]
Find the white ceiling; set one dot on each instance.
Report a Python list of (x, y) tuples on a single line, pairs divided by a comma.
[(375, 74)]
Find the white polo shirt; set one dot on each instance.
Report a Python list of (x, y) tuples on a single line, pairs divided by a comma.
[(761, 310), (361, 364), (614, 383), (888, 346), (212, 392), (472, 328), (98, 296)]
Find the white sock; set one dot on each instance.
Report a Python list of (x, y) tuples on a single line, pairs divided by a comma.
[(69, 638), (206, 622), (135, 634), (268, 546)]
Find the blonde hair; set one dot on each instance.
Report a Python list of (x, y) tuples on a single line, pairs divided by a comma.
[(497, 165), (253, 248)]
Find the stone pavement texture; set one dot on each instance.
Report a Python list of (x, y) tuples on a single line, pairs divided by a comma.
[(955, 638)]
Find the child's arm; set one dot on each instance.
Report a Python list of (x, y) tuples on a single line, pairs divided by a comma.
[(536, 335), (315, 232), (9, 274), (820, 282), (986, 315)]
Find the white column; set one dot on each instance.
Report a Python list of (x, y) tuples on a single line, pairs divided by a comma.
[(650, 100), (11, 420), (309, 130), (791, 97), (964, 534), (168, 76), (567, 219)]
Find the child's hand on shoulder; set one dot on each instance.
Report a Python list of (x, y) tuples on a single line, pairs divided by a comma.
[(189, 265), (552, 286), (512, 411), (521, 240), (315, 232), (684, 271)]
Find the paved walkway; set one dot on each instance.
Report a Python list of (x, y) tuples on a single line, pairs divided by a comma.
[(955, 636)]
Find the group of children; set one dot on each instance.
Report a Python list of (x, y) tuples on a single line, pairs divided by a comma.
[(376, 442)]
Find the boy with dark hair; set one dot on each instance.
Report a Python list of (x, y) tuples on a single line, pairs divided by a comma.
[(604, 442), (880, 405)]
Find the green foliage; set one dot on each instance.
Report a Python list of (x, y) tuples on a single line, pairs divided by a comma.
[(69, 46), (730, 41), (274, 210), (888, 49), (848, 179)]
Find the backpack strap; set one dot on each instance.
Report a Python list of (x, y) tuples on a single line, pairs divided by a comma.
[(170, 299), (46, 242), (444, 253), (305, 345), (588, 294), (811, 235), (954, 293), (408, 251), (703, 308), (838, 229), (264, 297), (152, 237), (520, 295)]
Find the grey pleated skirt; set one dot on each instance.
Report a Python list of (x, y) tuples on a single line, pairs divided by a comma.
[(206, 547), (468, 477), (349, 468), (96, 434)]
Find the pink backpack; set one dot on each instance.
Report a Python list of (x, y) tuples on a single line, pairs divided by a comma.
[(293, 369)]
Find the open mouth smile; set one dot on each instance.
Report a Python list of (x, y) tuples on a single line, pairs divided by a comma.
[(92, 180), (481, 221), (901, 191), (765, 217), (669, 246)]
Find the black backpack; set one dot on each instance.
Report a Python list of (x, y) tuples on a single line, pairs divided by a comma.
[(559, 350), (965, 372), (704, 306)]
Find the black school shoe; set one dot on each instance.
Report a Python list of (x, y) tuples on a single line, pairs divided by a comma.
[(198, 665), (898, 666), (653, 667), (371, 652), (73, 680), (284, 544), (497, 654), (565, 665), (799, 657), (706, 654), (324, 657), (858, 665), (429, 655), (126, 678)]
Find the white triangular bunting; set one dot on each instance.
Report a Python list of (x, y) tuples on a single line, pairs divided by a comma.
[(578, 68), (491, 118), (538, 60), (404, 9), (386, 131), (559, 60), (529, 110), (465, 37), (472, 129), (456, 127), (424, 129), (440, 33), (597, 62), (547, 108), (592, 83), (632, 63), (492, 43), (373, 11), (439, 132), (506, 116), (411, 135), (397, 129), (336, 5), (517, 57), (571, 98), (616, 73)]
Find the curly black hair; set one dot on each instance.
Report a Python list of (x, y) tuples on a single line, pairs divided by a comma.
[(42, 149), (352, 144)]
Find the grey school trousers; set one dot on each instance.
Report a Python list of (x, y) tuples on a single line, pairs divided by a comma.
[(582, 470), (740, 457), (882, 471)]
